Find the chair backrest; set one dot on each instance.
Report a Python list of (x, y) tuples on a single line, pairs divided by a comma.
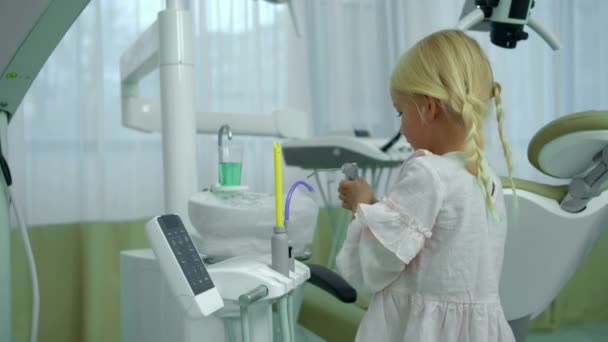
[(565, 146), (544, 247)]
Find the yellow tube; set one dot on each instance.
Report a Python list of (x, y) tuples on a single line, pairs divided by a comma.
[(278, 184)]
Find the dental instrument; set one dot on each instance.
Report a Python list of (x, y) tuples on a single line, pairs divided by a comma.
[(279, 241), (292, 189)]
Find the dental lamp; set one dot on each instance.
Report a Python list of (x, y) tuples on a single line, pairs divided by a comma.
[(505, 20)]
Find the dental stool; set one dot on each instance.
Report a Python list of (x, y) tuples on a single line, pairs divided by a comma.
[(551, 232), (554, 226)]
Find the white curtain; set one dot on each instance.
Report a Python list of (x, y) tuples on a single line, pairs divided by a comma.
[(73, 161), (353, 45), (71, 158)]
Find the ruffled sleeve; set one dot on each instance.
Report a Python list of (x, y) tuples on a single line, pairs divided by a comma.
[(386, 236)]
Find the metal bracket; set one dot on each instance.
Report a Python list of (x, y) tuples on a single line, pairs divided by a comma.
[(583, 189)]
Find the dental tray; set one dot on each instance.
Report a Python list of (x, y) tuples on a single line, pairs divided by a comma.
[(334, 151)]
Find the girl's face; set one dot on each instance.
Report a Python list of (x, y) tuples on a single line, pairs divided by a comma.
[(412, 110)]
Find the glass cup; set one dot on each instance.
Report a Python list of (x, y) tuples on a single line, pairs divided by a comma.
[(231, 158)]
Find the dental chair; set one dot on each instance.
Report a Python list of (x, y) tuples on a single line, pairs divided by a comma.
[(554, 227), (550, 232)]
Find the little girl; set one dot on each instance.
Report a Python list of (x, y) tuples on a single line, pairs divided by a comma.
[(431, 251)]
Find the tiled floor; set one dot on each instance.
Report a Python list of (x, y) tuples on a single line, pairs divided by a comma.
[(586, 333)]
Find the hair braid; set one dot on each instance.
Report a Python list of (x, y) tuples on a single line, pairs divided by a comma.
[(472, 110), (496, 90)]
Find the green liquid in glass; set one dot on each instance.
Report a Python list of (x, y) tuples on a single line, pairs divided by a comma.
[(230, 174)]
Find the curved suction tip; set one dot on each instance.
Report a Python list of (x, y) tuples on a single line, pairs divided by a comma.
[(290, 193)]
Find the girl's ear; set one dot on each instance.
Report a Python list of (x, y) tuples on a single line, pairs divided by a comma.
[(433, 109)]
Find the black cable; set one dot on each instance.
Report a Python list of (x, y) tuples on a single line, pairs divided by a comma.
[(390, 143), (6, 171)]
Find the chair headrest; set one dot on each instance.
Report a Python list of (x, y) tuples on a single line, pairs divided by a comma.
[(566, 146)]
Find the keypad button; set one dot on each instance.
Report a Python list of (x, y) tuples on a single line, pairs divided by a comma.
[(189, 260)]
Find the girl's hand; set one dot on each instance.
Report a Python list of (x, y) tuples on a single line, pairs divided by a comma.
[(354, 192)]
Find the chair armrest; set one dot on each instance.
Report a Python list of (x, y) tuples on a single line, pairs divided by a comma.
[(332, 283)]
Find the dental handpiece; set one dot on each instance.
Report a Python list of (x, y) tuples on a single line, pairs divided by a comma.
[(351, 171)]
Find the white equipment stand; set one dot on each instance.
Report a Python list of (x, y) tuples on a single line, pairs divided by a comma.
[(150, 312)]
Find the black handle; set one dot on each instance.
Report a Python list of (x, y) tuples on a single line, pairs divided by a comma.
[(332, 283)]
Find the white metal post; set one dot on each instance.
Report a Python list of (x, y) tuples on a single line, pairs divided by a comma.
[(177, 109), (5, 243)]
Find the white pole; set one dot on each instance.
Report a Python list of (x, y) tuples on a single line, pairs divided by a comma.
[(5, 243), (471, 19), (175, 4), (177, 110), (545, 34)]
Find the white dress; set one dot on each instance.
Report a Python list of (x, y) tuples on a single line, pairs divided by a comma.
[(431, 255)]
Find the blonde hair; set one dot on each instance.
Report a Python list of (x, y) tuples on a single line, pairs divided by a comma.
[(452, 68)]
